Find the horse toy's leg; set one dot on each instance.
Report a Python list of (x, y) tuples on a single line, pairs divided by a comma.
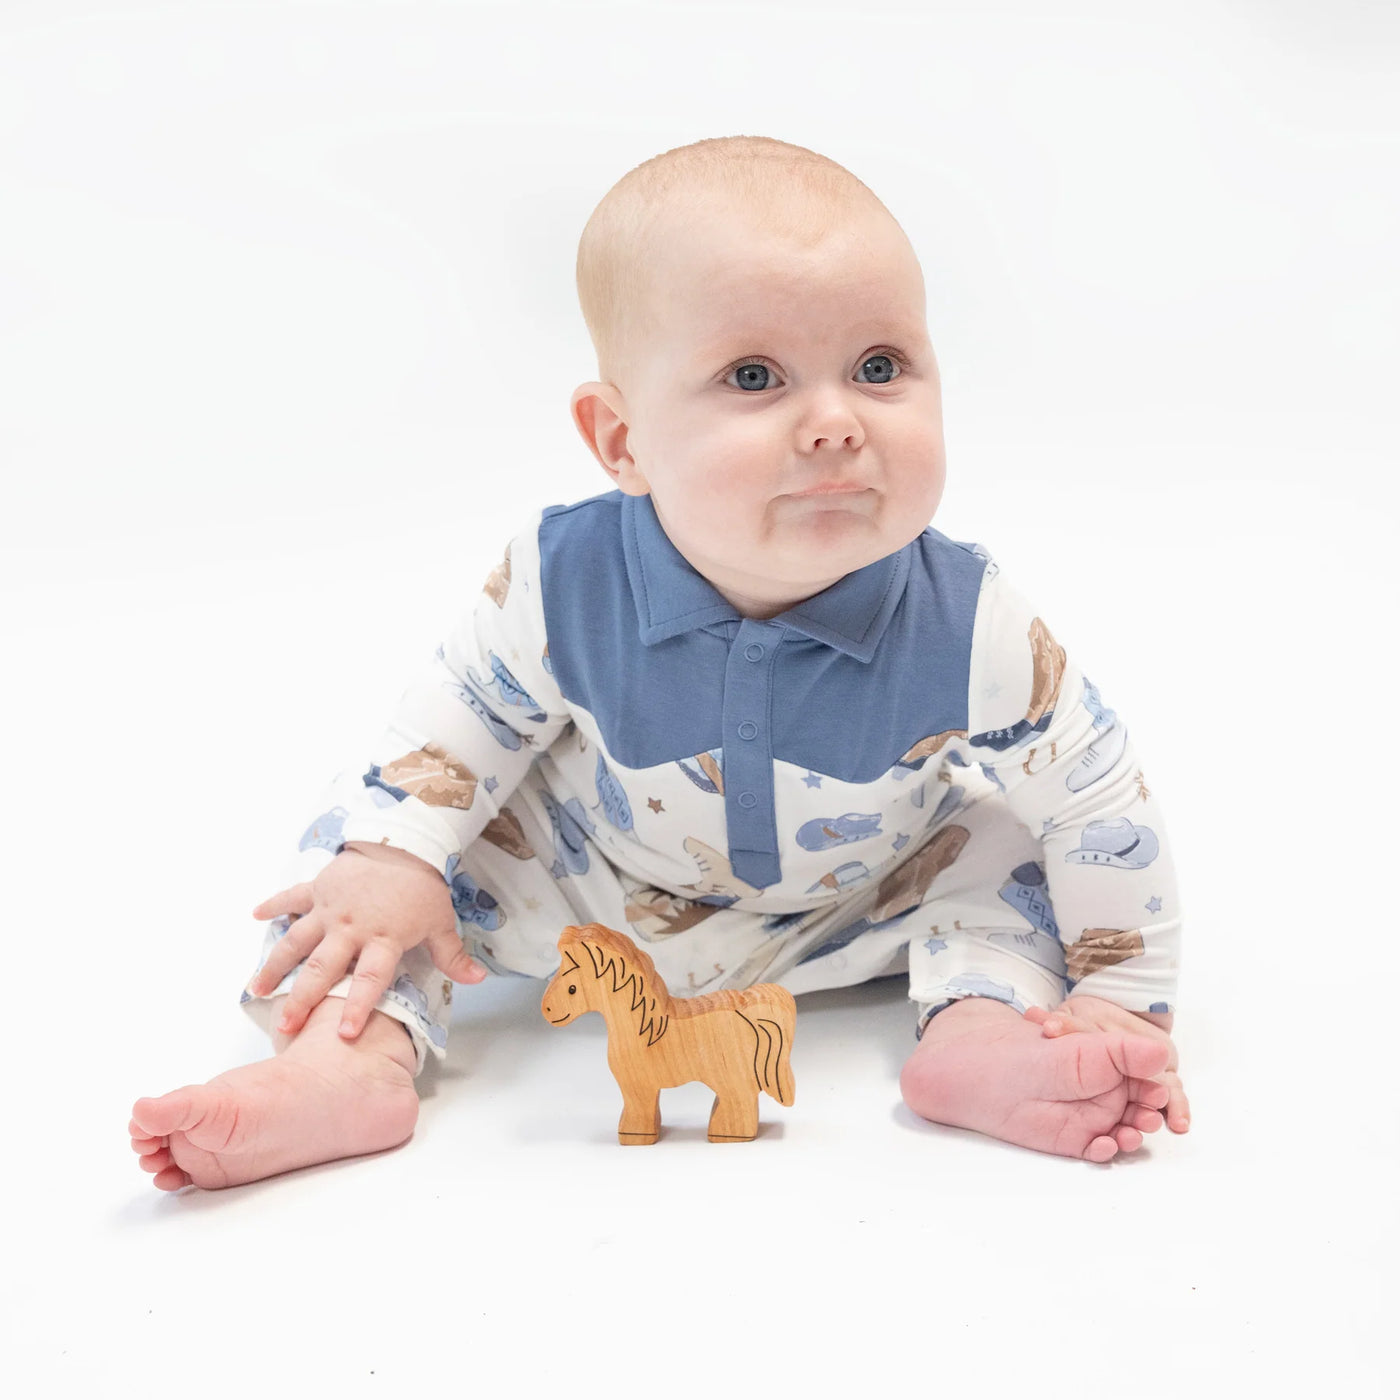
[(734, 1118), (640, 1123)]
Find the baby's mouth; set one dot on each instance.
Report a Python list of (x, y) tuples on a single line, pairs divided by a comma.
[(831, 488), (839, 498)]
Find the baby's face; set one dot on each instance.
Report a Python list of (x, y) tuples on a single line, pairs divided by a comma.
[(787, 419)]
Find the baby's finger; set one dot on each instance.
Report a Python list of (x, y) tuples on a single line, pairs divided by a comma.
[(287, 952), (1178, 1111), (325, 965), (1063, 1023), (374, 970), (451, 958), (294, 900), (1051, 1022)]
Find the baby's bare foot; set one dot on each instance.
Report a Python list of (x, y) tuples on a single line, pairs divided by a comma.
[(983, 1066), (319, 1099)]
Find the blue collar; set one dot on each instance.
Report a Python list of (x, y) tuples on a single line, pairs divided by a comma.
[(672, 598)]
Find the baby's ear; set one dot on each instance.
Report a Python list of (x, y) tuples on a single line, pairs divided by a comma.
[(599, 413)]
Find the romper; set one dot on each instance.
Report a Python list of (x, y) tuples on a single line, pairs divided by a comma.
[(904, 772)]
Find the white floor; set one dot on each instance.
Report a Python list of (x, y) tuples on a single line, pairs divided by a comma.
[(851, 1244), (286, 343)]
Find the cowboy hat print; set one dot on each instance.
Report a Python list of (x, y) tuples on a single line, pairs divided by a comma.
[(1115, 842)]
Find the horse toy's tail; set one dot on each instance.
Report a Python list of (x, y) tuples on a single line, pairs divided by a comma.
[(770, 1016)]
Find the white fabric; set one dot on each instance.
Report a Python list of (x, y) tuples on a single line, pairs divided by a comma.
[(993, 867)]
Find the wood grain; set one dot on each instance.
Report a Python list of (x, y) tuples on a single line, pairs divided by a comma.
[(737, 1042)]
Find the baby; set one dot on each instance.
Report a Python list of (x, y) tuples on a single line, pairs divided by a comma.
[(748, 708)]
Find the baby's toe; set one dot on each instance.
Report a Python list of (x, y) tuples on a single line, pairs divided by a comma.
[(1129, 1139), (1146, 1120), (1137, 1057), (159, 1117), (172, 1178), (1150, 1093), (157, 1161), (1101, 1149)]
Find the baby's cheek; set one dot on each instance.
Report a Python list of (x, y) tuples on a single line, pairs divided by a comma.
[(729, 519)]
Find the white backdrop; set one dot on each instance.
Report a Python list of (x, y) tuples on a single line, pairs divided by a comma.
[(287, 335)]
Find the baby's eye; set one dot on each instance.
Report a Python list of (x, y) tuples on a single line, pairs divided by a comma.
[(756, 375), (753, 374), (889, 366)]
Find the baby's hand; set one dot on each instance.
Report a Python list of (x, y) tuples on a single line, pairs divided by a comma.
[(367, 909), (1086, 1013)]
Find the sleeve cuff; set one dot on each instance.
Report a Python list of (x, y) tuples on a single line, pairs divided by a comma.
[(417, 840)]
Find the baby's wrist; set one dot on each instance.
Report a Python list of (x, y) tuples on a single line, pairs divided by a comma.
[(392, 854)]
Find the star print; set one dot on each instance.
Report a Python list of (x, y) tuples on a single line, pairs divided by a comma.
[(1154, 905), (935, 945), (531, 904), (990, 692), (812, 779), (1046, 826), (557, 869), (491, 784), (901, 841), (655, 804)]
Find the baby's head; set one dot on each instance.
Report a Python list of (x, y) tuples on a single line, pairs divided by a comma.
[(759, 320)]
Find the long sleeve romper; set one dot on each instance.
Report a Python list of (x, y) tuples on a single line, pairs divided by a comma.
[(904, 772)]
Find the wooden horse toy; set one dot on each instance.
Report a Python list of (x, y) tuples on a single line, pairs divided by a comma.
[(737, 1042)]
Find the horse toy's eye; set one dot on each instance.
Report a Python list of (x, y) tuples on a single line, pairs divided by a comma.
[(572, 990)]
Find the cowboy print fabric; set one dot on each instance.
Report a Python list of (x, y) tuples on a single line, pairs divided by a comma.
[(906, 771)]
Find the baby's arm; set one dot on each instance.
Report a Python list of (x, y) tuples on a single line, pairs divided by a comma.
[(1039, 730), (461, 738)]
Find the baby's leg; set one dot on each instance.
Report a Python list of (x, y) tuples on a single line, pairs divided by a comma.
[(984, 948), (320, 1098)]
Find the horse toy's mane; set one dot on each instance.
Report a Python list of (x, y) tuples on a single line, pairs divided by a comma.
[(610, 951)]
